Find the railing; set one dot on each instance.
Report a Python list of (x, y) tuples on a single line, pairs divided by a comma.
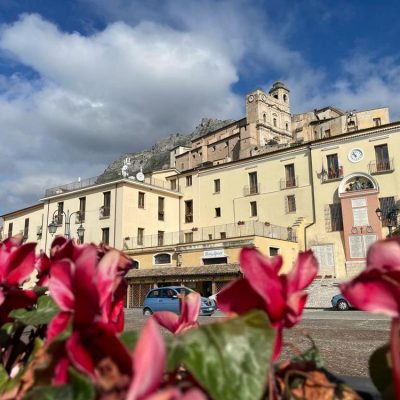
[(97, 180), (188, 218), (382, 166), (58, 219), (332, 175), (289, 183), (104, 212), (80, 217), (250, 190), (161, 215), (221, 232)]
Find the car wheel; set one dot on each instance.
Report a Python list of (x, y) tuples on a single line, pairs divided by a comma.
[(342, 305), (147, 312)]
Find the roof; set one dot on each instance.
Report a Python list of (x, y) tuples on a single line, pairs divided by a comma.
[(214, 269), (35, 206)]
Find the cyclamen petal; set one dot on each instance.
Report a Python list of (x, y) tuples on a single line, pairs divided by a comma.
[(190, 307), (20, 264), (58, 325), (384, 254), (303, 272), (147, 373), (167, 319), (61, 284)]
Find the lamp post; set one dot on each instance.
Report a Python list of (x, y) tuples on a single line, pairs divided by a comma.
[(391, 217), (67, 226)]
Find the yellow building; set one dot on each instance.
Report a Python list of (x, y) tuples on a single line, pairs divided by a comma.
[(279, 182)]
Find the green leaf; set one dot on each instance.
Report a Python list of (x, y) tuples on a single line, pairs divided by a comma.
[(6, 332), (312, 354), (62, 392), (3, 376), (82, 387), (380, 372), (42, 315), (129, 339), (229, 359)]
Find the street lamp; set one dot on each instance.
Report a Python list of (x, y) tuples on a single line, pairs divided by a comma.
[(67, 230), (391, 217)]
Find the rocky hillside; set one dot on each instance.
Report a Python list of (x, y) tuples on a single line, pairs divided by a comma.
[(158, 156)]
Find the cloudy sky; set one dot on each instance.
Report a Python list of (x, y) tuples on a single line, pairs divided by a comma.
[(84, 81)]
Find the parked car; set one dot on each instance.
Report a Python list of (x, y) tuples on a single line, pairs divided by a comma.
[(340, 303), (166, 299)]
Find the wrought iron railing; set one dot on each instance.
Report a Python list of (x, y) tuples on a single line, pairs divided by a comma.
[(375, 167), (287, 183), (252, 189), (332, 174), (104, 212), (225, 231), (84, 183)]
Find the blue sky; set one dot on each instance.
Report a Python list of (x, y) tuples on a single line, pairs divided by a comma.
[(84, 81)]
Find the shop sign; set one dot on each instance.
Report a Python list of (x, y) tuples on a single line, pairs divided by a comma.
[(215, 253)]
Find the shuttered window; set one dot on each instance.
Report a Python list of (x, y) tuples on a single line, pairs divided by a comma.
[(336, 217), (386, 204)]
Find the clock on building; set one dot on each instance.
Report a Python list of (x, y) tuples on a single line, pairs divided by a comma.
[(355, 155)]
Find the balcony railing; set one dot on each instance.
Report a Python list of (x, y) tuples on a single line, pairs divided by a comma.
[(333, 174), (381, 166), (80, 217), (289, 183), (252, 189), (188, 218), (221, 232), (97, 180), (104, 212)]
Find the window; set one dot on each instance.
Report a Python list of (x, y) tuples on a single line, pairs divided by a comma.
[(209, 236), (188, 237), (140, 236), (222, 235), (59, 216), (162, 258), (141, 200), (106, 204), (214, 148), (82, 209), (160, 238), (285, 98), (217, 185), (154, 293), (253, 182), (291, 203), (253, 208), (189, 211), (10, 229), (335, 211), (333, 166), (189, 180), (217, 212), (265, 118), (274, 120), (290, 175), (173, 184), (273, 251), (105, 235), (26, 229), (377, 121), (386, 204), (287, 126), (135, 264), (382, 158), (327, 133), (161, 208)]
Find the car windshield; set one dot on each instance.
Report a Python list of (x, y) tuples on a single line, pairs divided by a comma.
[(183, 290)]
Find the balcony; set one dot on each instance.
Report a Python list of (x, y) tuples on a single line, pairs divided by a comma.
[(104, 212), (332, 175), (161, 215), (58, 219), (212, 233), (188, 218), (381, 166), (289, 183), (250, 190)]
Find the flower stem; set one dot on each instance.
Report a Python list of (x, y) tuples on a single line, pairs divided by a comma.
[(395, 354)]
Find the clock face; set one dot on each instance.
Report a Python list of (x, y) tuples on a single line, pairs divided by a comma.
[(356, 155)]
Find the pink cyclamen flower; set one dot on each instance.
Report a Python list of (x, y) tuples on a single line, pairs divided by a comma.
[(148, 364), (16, 265), (281, 296), (189, 311), (377, 290), (43, 265)]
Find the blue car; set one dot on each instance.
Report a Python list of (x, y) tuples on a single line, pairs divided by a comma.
[(166, 299), (340, 303)]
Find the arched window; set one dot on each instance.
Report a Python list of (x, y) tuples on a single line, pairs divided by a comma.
[(287, 126), (135, 264), (274, 120), (162, 258), (265, 118), (285, 98)]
